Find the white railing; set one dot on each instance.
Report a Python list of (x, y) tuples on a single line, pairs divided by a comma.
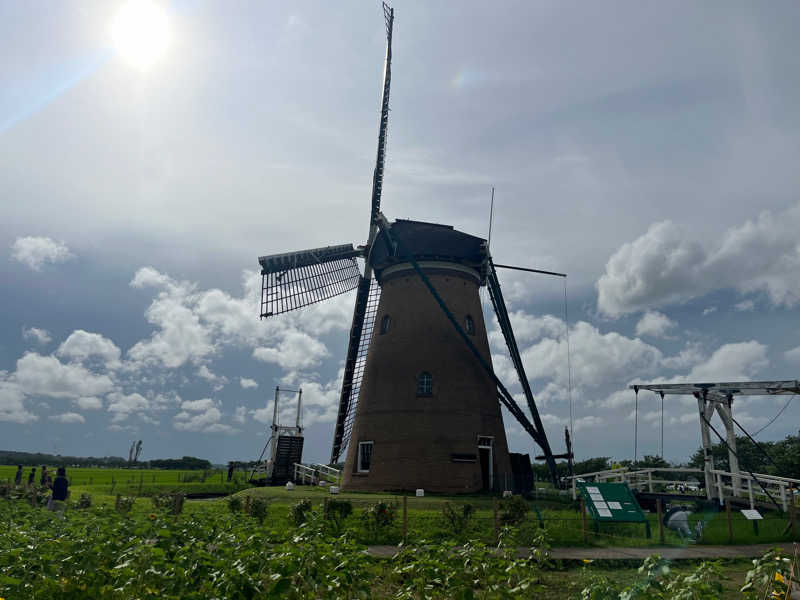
[(313, 474), (741, 484)]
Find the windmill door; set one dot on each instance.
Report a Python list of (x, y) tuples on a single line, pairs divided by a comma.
[(485, 457)]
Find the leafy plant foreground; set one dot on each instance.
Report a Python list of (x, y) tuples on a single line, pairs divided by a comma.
[(226, 552)]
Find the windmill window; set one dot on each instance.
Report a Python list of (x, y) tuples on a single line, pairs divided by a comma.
[(364, 456), (424, 384), (469, 325), (386, 323)]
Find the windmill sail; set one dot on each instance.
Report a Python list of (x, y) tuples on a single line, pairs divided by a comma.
[(499, 304), (293, 280), (368, 288), (360, 336)]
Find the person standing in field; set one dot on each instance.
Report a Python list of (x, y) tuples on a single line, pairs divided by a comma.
[(43, 476), (32, 476), (60, 489), (18, 476)]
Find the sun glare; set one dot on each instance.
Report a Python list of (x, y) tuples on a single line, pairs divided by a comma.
[(140, 33)]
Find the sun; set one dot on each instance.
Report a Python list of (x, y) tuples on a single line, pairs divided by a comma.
[(140, 33)]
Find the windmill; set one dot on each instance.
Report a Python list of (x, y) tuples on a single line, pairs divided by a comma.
[(419, 399)]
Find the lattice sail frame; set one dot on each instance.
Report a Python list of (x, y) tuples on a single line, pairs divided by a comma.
[(293, 280), (367, 330)]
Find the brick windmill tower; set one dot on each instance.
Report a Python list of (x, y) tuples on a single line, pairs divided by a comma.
[(420, 402)]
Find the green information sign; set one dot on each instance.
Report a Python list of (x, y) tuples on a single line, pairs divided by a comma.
[(612, 503)]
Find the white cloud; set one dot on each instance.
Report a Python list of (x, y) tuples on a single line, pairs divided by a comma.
[(218, 381), (744, 306), (89, 403), (204, 417), (192, 324), (732, 362), (69, 417), (40, 336), (596, 358), (708, 310), (655, 324), (667, 265), (12, 406), (793, 355), (82, 345), (198, 405), (248, 383), (297, 350), (122, 405), (34, 252), (240, 415), (40, 375)]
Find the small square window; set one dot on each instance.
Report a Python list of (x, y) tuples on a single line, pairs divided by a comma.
[(386, 323), (364, 456), (424, 384)]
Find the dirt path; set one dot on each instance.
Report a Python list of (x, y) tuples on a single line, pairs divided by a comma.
[(670, 552)]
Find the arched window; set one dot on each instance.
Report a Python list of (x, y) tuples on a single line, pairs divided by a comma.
[(424, 384), (386, 323), (469, 325)]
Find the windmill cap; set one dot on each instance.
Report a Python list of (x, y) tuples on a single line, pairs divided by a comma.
[(430, 242)]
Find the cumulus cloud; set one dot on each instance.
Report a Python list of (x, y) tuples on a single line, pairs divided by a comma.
[(667, 265), (201, 416), (192, 324), (82, 345), (248, 383), (744, 306), (34, 252), (121, 406), (708, 310), (793, 355), (655, 324), (198, 405), (35, 334), (12, 403), (39, 375), (69, 417), (297, 350), (240, 415), (90, 403)]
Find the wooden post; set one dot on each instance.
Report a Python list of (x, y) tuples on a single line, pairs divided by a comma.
[(116, 504), (730, 520), (325, 508), (659, 502), (583, 521), (405, 517), (496, 521)]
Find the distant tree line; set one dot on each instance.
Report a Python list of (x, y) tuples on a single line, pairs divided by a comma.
[(34, 459), (785, 454)]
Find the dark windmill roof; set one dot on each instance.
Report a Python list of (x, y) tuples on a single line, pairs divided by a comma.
[(428, 241)]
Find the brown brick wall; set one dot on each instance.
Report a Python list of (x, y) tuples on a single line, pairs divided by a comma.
[(414, 437)]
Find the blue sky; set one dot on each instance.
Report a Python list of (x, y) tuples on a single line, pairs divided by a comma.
[(648, 150)]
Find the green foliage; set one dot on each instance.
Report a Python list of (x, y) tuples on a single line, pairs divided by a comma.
[(458, 518), (235, 504), (659, 582), (85, 501), (124, 504), (377, 518), (472, 570), (300, 512), (259, 508), (769, 576), (513, 510), (338, 511), (96, 554), (786, 453)]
